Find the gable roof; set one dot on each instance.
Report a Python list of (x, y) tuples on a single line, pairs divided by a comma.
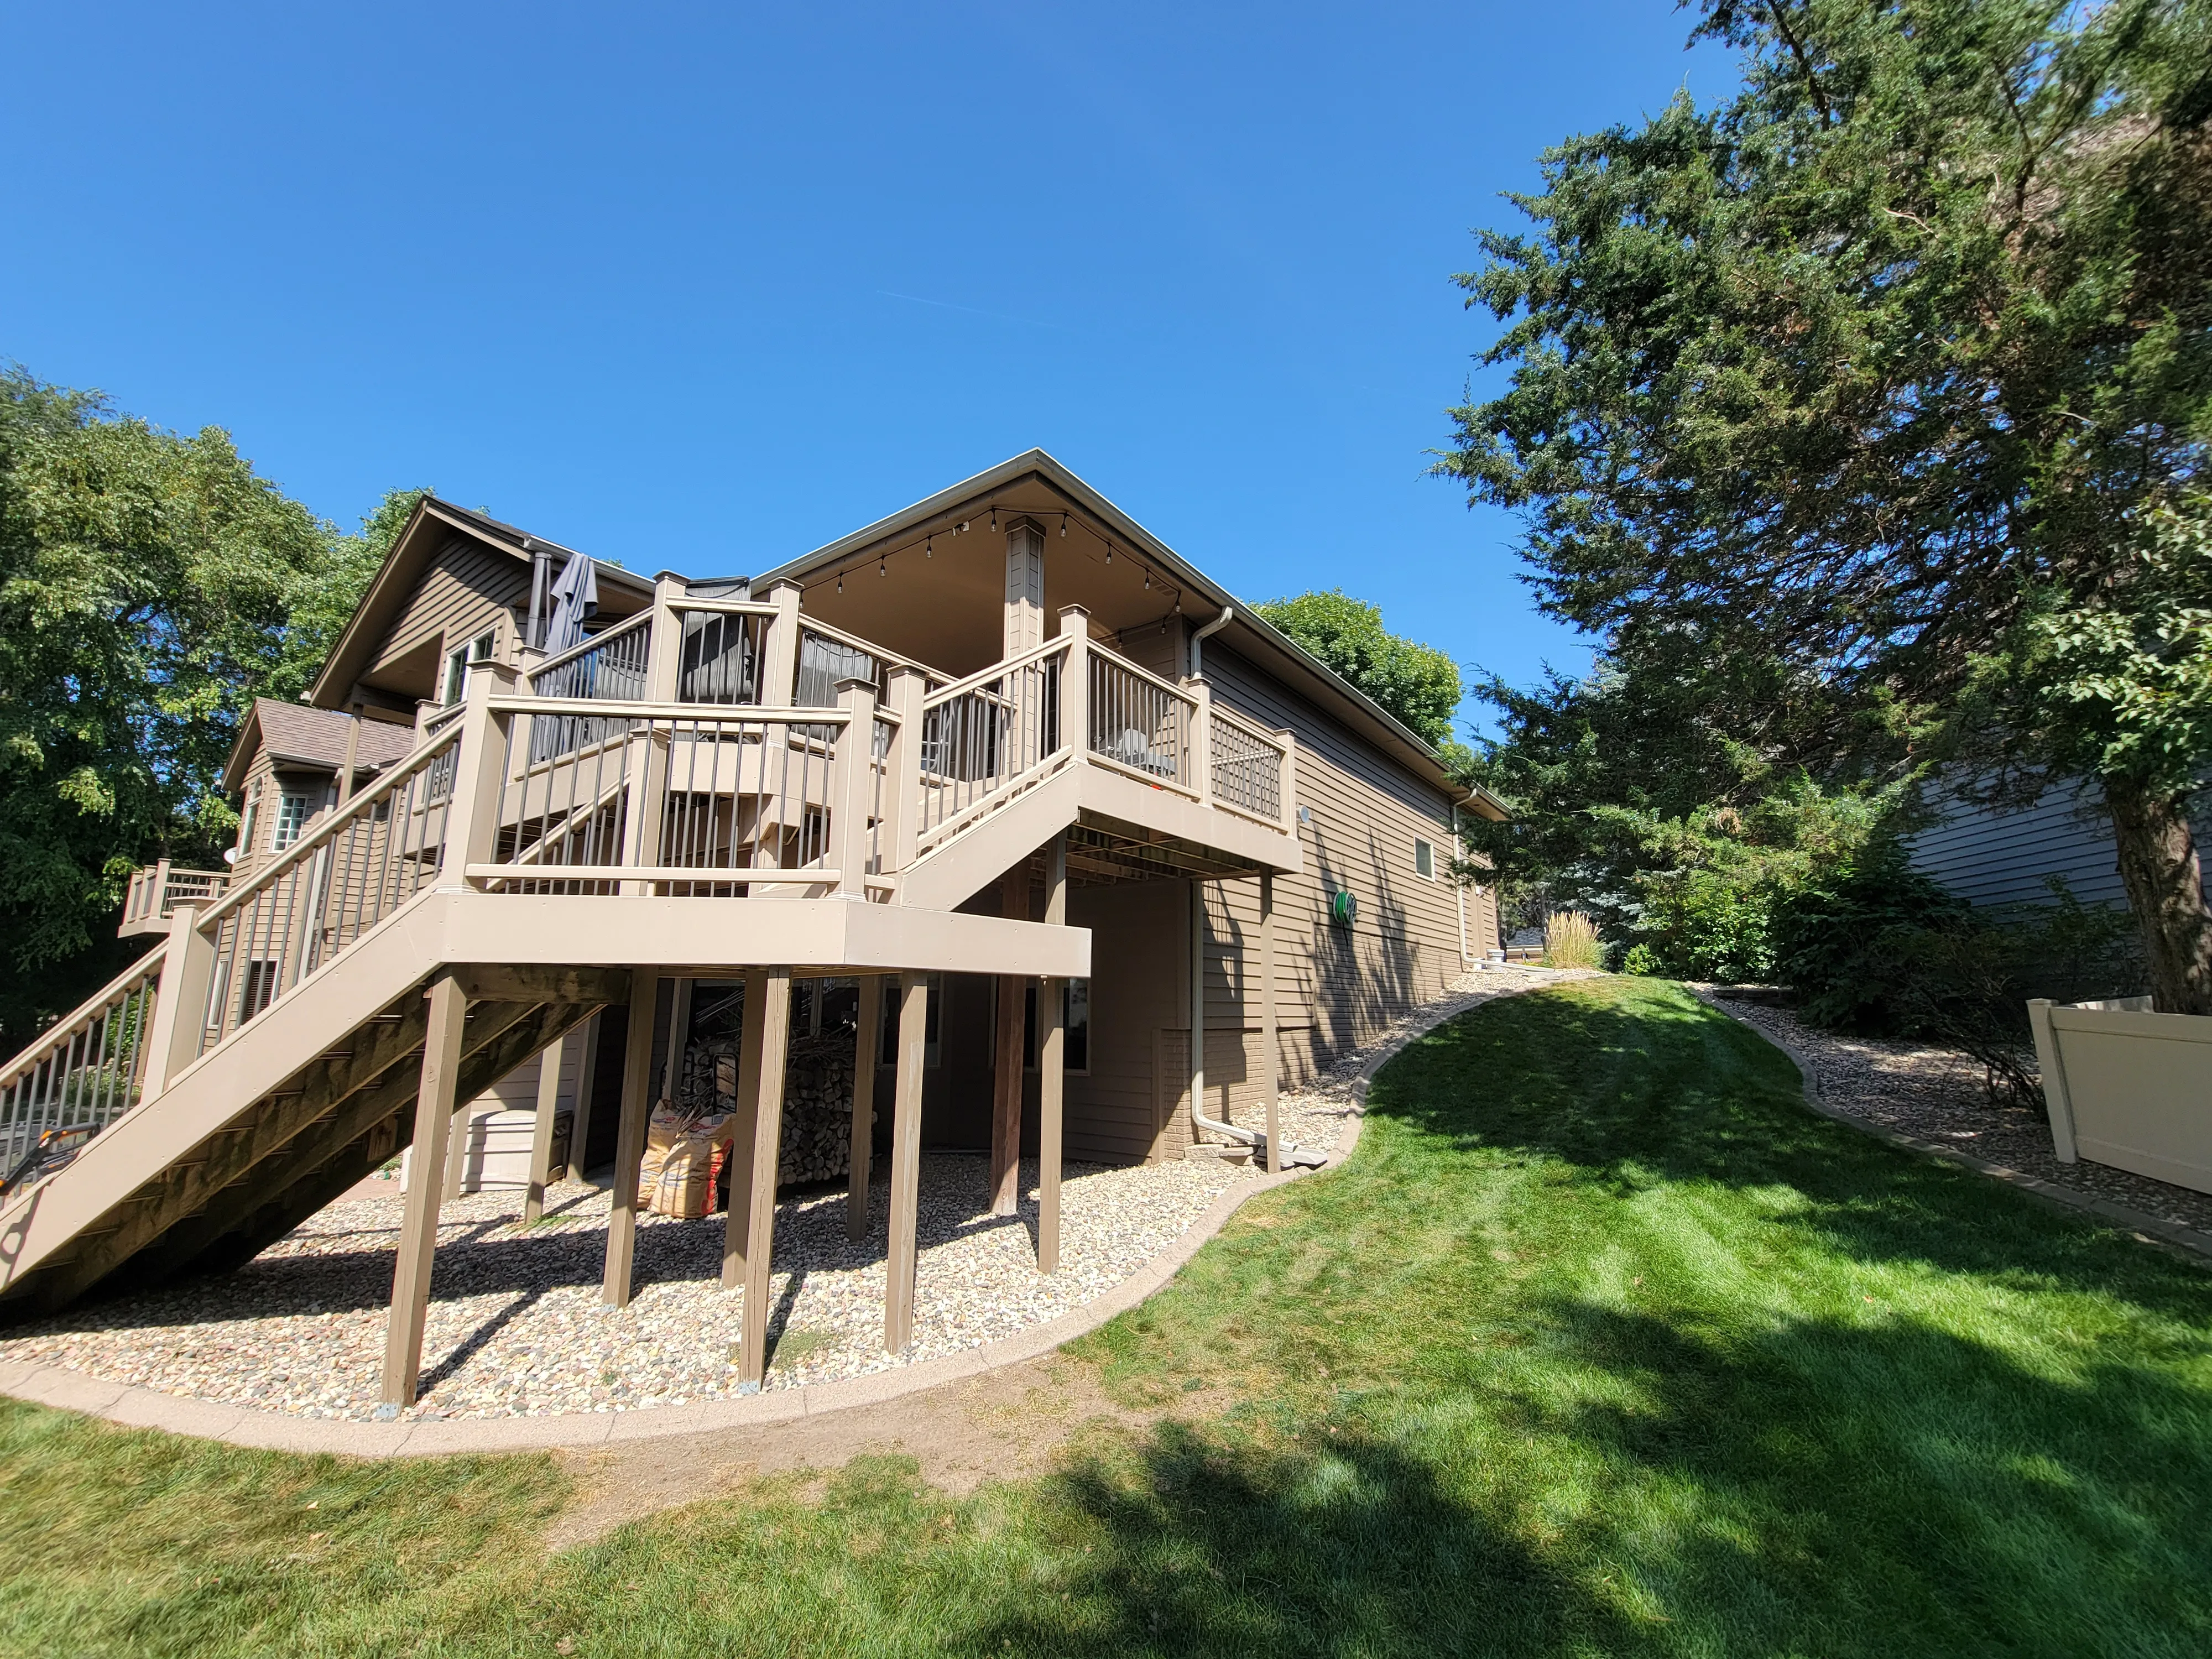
[(1248, 634), (427, 529), (295, 734)]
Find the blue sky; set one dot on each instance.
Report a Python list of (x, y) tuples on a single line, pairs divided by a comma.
[(706, 287)]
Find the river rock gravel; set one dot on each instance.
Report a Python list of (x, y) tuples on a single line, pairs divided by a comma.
[(516, 1328), (1936, 1094)]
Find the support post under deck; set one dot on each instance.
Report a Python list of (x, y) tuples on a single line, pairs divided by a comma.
[(1052, 1048), (418, 1229), (863, 1146), (1006, 1068), (738, 1223), (768, 1141), (629, 1139), (906, 1163)]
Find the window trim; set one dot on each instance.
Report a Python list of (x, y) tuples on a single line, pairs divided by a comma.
[(1029, 1026), (286, 800), (1421, 847), (461, 658), (932, 1040)]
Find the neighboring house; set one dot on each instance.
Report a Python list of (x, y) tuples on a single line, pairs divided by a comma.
[(2004, 856), (1058, 796)]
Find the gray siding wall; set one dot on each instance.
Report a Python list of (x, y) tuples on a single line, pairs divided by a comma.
[(1991, 857)]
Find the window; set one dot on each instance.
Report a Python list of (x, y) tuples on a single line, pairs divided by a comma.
[(1424, 860), (459, 661), (259, 989), (1075, 1047), (887, 1048), (291, 818)]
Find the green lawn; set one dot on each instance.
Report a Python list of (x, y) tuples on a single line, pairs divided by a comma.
[(1602, 1343)]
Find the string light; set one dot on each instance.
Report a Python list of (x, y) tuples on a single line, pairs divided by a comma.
[(994, 515), (880, 570), (841, 581), (929, 547)]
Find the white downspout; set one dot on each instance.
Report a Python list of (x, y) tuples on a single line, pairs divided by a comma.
[(1199, 1120), (1197, 669)]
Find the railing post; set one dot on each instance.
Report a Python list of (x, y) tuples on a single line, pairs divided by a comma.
[(1201, 737), (180, 1001), (779, 686), (663, 661), (902, 771), (1075, 680), (855, 771), (473, 820), (1286, 792)]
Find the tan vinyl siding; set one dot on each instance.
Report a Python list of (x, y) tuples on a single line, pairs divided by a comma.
[(468, 589), (1338, 988)]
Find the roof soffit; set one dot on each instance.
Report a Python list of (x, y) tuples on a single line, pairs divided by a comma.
[(1248, 633)]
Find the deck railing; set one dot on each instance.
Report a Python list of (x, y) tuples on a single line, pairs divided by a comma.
[(983, 734), (299, 912), (83, 1072), (1246, 761), (157, 889), (1139, 721), (672, 800), (723, 657)]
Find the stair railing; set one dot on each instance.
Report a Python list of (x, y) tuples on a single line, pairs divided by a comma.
[(83, 1072), (337, 883), (988, 737)]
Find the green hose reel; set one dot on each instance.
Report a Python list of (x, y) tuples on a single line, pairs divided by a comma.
[(1343, 908)]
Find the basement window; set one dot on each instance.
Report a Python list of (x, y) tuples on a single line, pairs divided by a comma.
[(1424, 860), (887, 1047), (1075, 1049)]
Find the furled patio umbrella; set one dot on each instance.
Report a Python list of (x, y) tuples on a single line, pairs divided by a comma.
[(575, 597)]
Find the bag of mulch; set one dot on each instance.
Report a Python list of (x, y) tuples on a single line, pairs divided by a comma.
[(683, 1179)]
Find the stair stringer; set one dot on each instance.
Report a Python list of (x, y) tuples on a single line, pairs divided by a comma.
[(222, 1090), (946, 875)]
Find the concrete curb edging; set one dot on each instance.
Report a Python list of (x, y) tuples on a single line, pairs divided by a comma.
[(133, 1407), (2197, 1245)]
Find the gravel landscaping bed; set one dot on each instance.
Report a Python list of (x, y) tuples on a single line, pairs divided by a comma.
[(1936, 1094), (516, 1328)]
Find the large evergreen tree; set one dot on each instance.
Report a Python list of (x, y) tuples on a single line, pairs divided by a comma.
[(1894, 372)]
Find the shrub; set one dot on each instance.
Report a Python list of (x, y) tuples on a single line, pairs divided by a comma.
[(1570, 940), (1880, 950)]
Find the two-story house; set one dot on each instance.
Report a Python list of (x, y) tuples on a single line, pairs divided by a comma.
[(1092, 859)]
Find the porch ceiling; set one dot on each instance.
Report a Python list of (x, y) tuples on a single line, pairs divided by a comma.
[(941, 597)]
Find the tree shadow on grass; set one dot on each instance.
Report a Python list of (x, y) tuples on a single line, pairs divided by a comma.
[(1632, 1089), (1627, 1486), (1193, 1544)]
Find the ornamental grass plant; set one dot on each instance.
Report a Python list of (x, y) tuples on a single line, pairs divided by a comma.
[(1570, 940)]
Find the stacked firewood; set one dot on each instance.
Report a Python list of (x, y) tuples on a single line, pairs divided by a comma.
[(818, 1100)]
